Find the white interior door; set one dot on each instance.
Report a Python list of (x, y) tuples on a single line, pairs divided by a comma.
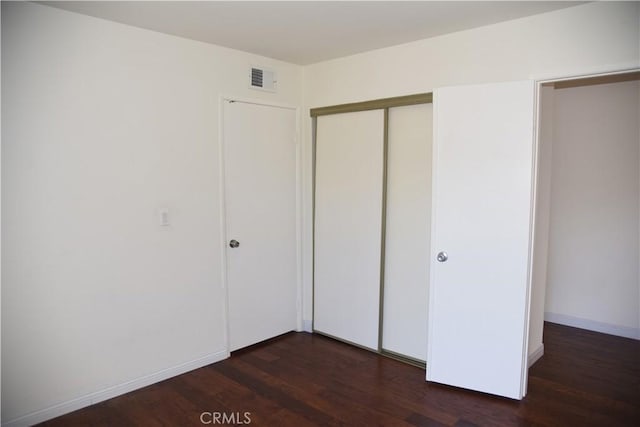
[(482, 203), (260, 194), (348, 228), (408, 228)]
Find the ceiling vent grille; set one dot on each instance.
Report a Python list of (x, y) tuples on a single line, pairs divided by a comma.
[(262, 79)]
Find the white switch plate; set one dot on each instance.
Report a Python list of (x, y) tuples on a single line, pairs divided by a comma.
[(163, 216)]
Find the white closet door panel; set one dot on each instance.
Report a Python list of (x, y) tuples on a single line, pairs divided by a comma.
[(483, 169), (348, 212), (407, 231)]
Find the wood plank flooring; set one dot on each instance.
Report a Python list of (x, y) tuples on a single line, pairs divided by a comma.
[(584, 379)]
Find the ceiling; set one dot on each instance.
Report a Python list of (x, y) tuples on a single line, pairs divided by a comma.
[(305, 32)]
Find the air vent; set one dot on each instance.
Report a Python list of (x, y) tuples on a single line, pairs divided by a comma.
[(262, 79)]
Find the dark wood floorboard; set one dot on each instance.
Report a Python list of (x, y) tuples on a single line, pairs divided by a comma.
[(584, 379)]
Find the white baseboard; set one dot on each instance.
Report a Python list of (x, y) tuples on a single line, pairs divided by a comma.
[(593, 325), (307, 325), (536, 355), (111, 392)]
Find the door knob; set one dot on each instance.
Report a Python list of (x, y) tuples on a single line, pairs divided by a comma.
[(442, 256), (234, 244)]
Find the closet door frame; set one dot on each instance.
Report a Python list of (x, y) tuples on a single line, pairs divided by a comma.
[(378, 104)]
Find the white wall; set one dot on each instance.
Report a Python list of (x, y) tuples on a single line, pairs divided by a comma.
[(102, 125), (579, 39), (583, 39), (592, 278)]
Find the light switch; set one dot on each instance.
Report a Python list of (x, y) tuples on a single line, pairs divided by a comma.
[(163, 216)]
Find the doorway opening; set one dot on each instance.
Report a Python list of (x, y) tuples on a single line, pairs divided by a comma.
[(586, 256)]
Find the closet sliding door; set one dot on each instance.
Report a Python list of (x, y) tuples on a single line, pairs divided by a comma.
[(407, 231), (349, 168)]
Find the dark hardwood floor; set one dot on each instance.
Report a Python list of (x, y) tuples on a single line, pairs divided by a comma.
[(584, 379)]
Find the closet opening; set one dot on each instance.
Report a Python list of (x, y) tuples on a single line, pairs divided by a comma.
[(586, 254), (371, 224)]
